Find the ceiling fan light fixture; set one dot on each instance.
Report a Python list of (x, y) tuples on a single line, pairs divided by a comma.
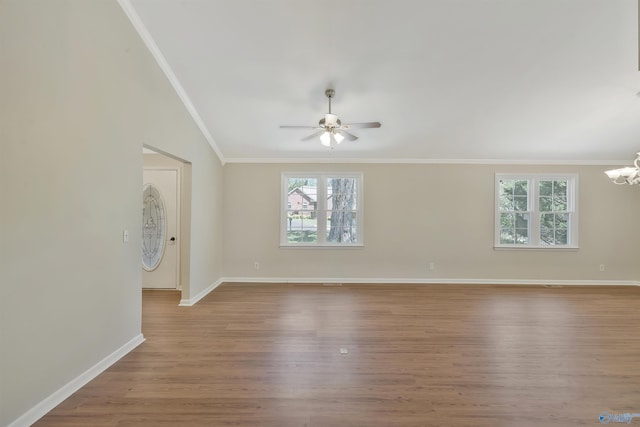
[(338, 137), (325, 139)]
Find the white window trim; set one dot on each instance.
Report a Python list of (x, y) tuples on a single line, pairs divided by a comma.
[(321, 210), (533, 200)]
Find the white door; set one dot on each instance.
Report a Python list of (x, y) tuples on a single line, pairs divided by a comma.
[(160, 229)]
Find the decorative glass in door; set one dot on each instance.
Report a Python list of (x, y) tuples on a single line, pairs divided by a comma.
[(153, 227)]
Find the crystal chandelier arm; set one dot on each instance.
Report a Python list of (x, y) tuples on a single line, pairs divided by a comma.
[(627, 175)]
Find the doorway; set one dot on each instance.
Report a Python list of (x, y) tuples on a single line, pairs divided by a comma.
[(165, 222)]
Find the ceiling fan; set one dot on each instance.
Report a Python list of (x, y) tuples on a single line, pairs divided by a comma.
[(330, 129)]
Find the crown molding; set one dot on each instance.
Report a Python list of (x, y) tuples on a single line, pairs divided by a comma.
[(146, 37), (343, 160)]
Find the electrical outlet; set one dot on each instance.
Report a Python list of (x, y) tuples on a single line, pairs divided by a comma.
[(125, 236), (256, 265), (601, 267), (432, 266)]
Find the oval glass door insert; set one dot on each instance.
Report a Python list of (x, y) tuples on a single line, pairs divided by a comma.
[(153, 227)]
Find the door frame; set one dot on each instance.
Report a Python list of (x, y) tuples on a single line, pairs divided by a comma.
[(184, 242)]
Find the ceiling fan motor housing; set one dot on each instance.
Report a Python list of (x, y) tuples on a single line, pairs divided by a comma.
[(330, 121)]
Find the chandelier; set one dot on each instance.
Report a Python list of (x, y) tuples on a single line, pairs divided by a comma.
[(629, 175)]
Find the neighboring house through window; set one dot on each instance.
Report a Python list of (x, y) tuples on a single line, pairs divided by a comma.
[(321, 209), (536, 211)]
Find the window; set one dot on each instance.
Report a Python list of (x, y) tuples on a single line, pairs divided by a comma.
[(321, 209), (538, 211)]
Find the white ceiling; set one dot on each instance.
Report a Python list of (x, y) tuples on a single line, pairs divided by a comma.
[(542, 81)]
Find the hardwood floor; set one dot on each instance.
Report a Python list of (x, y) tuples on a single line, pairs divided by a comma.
[(424, 355)]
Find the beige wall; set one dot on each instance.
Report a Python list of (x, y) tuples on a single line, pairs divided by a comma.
[(450, 223), (79, 95)]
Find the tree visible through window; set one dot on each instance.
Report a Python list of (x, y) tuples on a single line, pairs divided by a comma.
[(322, 210), (554, 212), (342, 214), (514, 211), (536, 210)]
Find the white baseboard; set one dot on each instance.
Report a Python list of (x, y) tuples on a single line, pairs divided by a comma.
[(311, 280), (191, 301), (46, 405), (436, 281)]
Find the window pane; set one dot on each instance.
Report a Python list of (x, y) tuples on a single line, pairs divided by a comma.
[(559, 203), (513, 195), (562, 220), (341, 194), (507, 237), (560, 188), (561, 237), (553, 229), (507, 228), (341, 185), (302, 194), (522, 236), (341, 210), (553, 196), (546, 203), (522, 221), (302, 237), (521, 204), (506, 203), (506, 187), (546, 188), (302, 201), (521, 188), (522, 228), (507, 220), (514, 228), (342, 227), (562, 225), (547, 229), (547, 220), (302, 227)]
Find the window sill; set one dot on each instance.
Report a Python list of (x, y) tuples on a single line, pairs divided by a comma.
[(326, 246), (537, 248)]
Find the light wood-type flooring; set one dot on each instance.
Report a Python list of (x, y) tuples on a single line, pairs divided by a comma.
[(418, 355)]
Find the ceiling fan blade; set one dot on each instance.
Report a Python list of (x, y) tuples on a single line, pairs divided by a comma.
[(349, 136), (362, 125), (313, 135), (299, 127)]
